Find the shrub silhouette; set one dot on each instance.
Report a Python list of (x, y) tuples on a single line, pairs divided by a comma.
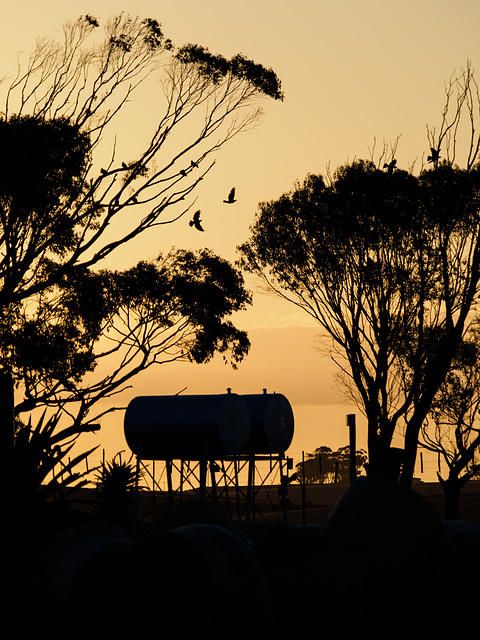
[(115, 490)]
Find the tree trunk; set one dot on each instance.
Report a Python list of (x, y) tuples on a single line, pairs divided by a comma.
[(7, 429), (383, 459), (451, 491)]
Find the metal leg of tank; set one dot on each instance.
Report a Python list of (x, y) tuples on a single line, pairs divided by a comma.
[(135, 497), (213, 466), (168, 468), (182, 471), (285, 480), (237, 487), (283, 494), (186, 472), (203, 478), (191, 473), (250, 512), (227, 494)]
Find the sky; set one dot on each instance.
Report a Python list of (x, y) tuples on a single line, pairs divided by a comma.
[(356, 76)]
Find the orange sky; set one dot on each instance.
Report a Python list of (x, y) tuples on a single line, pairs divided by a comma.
[(352, 72)]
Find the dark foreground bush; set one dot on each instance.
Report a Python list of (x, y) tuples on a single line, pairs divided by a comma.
[(383, 567)]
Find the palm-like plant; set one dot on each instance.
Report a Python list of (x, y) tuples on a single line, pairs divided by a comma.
[(115, 487), (37, 479)]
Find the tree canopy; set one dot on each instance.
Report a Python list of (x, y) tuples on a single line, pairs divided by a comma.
[(122, 322), (69, 198), (60, 208), (388, 264), (325, 466)]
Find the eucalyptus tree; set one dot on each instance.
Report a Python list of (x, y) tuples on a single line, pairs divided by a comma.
[(62, 205), (325, 466), (387, 263), (69, 197), (453, 430), (86, 338)]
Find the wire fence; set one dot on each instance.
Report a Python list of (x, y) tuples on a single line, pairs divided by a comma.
[(428, 465)]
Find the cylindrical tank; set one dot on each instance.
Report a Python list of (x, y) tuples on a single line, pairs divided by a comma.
[(187, 427), (272, 423)]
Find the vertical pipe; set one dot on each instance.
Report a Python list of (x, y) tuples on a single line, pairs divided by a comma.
[(237, 488), (181, 480), (283, 489), (203, 473), (227, 497), (214, 483), (250, 486), (168, 465), (353, 446)]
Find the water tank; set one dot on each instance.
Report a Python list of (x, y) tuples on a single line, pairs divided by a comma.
[(187, 427), (272, 423)]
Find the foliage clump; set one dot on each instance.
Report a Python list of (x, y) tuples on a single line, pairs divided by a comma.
[(115, 486), (325, 466)]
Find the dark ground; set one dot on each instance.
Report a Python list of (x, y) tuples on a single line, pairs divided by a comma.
[(319, 502), (288, 564)]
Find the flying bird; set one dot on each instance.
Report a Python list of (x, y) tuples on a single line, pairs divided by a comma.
[(390, 166), (195, 221), (435, 155), (231, 196)]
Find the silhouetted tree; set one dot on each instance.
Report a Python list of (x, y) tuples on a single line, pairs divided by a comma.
[(62, 212), (388, 264), (88, 336), (325, 466), (455, 433), (56, 202)]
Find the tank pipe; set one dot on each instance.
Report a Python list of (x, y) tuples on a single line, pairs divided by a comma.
[(214, 484), (168, 465), (203, 472)]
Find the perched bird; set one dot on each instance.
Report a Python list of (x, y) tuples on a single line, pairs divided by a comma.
[(195, 221), (390, 166), (183, 172), (103, 171), (435, 155), (231, 196), (193, 164), (124, 165)]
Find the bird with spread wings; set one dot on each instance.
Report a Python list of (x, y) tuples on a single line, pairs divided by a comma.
[(231, 196), (196, 222)]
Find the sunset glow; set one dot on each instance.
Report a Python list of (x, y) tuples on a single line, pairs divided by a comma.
[(357, 77)]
